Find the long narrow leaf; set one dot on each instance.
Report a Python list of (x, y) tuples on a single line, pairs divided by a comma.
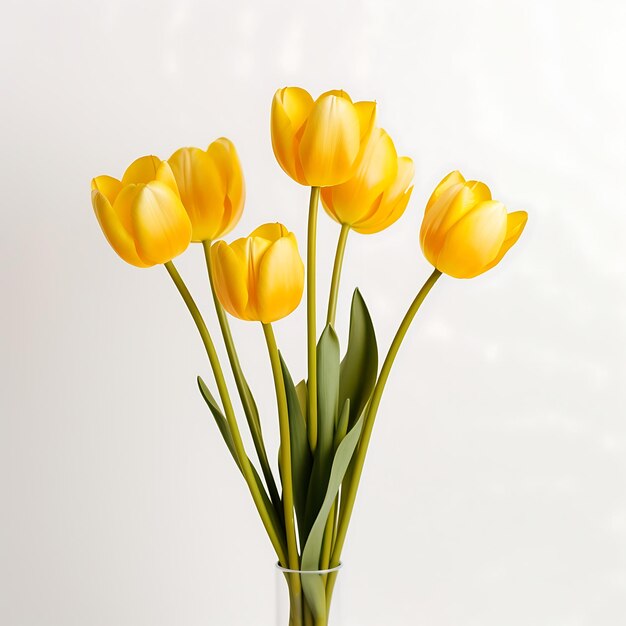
[(313, 584), (303, 395), (342, 424), (359, 366), (220, 420), (224, 429), (327, 408), (301, 458)]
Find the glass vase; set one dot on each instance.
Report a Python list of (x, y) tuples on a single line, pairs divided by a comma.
[(292, 606)]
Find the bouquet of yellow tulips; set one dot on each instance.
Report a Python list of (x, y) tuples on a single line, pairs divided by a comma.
[(333, 146)]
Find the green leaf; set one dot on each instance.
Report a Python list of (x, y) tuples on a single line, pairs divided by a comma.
[(301, 458), (313, 584), (303, 396), (327, 409), (359, 366), (220, 420), (342, 424), (224, 429)]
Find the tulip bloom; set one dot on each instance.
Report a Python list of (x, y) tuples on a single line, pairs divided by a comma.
[(319, 143), (142, 216), (377, 195), (260, 277), (464, 232), (211, 187)]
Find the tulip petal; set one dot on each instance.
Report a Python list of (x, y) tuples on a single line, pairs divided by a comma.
[(161, 226), (479, 189), (290, 109), (449, 207), (280, 280), (240, 248), (165, 174), (230, 271), (331, 142), (327, 194), (142, 170), (339, 93), (453, 178), (388, 214), (123, 206), (256, 248), (366, 112), (108, 186), (393, 201), (355, 199), (202, 191), (116, 234), (272, 231), (516, 222), (474, 241), (226, 160)]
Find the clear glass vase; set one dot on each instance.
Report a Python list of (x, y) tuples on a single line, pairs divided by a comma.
[(293, 608)]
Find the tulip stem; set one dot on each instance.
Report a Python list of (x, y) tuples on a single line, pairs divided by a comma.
[(247, 400), (347, 504), (311, 314), (285, 455), (244, 461), (334, 285)]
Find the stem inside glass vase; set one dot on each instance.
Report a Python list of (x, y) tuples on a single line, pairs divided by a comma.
[(305, 598)]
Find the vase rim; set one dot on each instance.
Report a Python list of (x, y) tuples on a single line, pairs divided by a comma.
[(287, 570)]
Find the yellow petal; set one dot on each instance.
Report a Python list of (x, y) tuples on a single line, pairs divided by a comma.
[(383, 220), (272, 231), (240, 248), (330, 142), (367, 117), (165, 174), (355, 199), (474, 241), (142, 170), (230, 273), (393, 202), (108, 186), (202, 190), (120, 239), (280, 280), (339, 93), (226, 160), (290, 109), (403, 180), (452, 179), (161, 226), (255, 250), (516, 222), (326, 195), (455, 201), (123, 206)]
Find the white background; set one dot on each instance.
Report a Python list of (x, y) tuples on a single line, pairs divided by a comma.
[(495, 491)]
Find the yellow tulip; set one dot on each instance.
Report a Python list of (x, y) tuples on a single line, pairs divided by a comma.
[(211, 187), (464, 232), (260, 277), (376, 196), (319, 143), (142, 216)]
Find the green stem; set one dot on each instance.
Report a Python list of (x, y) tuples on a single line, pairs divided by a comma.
[(352, 487), (311, 320), (334, 285), (244, 461), (285, 452), (308, 616), (247, 400)]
